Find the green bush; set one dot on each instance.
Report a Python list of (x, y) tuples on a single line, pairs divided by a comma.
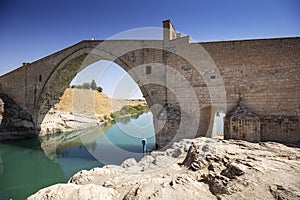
[(130, 110), (99, 89)]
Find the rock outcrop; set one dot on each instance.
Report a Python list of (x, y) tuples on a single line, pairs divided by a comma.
[(57, 121), (14, 122), (77, 192), (201, 168)]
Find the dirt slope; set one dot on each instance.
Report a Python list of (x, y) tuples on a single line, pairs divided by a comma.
[(91, 103)]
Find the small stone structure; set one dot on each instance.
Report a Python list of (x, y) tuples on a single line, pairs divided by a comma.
[(241, 123)]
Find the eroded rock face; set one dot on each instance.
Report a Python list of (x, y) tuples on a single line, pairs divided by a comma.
[(205, 169), (280, 192), (14, 122), (57, 121)]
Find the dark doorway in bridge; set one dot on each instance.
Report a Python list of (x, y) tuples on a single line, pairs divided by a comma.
[(148, 70), (205, 121)]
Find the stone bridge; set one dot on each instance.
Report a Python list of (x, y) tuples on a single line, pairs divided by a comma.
[(184, 83)]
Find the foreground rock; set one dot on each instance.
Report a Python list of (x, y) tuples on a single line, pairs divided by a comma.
[(192, 169), (78, 192)]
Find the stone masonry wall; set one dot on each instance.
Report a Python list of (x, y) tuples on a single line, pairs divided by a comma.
[(266, 73)]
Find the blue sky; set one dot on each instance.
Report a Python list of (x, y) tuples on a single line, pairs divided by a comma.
[(33, 29)]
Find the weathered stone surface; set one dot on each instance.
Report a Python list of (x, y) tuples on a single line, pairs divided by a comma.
[(280, 192), (57, 121), (129, 162), (242, 112), (241, 123), (74, 192), (230, 170), (14, 121), (146, 160)]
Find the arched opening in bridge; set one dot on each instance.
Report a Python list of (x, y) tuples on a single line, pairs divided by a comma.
[(211, 121), (104, 95), (220, 123)]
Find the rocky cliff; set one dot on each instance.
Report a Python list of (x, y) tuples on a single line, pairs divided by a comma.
[(14, 122), (201, 168)]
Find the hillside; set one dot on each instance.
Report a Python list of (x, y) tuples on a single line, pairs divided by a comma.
[(91, 103)]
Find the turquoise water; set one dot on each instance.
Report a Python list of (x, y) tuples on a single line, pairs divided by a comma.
[(31, 164)]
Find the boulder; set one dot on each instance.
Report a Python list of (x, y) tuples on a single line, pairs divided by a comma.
[(74, 192), (129, 162)]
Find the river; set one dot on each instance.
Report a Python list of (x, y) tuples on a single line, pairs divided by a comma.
[(31, 164)]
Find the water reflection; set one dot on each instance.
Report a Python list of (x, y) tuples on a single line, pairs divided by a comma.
[(26, 169), (31, 164), (54, 143)]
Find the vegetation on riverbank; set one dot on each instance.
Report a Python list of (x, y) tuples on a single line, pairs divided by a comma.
[(129, 110)]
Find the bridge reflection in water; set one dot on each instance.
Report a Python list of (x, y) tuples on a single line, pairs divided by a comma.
[(31, 164)]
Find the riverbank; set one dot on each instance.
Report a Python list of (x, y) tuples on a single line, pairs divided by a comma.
[(81, 108), (77, 109), (58, 121), (198, 168)]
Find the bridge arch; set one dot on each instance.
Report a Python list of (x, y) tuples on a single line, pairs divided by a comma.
[(62, 75)]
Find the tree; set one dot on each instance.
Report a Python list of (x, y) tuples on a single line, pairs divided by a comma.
[(93, 85), (86, 85), (99, 89)]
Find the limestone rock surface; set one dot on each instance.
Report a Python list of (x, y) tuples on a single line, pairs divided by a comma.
[(202, 168), (75, 192)]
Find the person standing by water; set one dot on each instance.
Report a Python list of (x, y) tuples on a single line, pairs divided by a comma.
[(144, 143)]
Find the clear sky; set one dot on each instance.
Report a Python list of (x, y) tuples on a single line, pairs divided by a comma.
[(33, 29)]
